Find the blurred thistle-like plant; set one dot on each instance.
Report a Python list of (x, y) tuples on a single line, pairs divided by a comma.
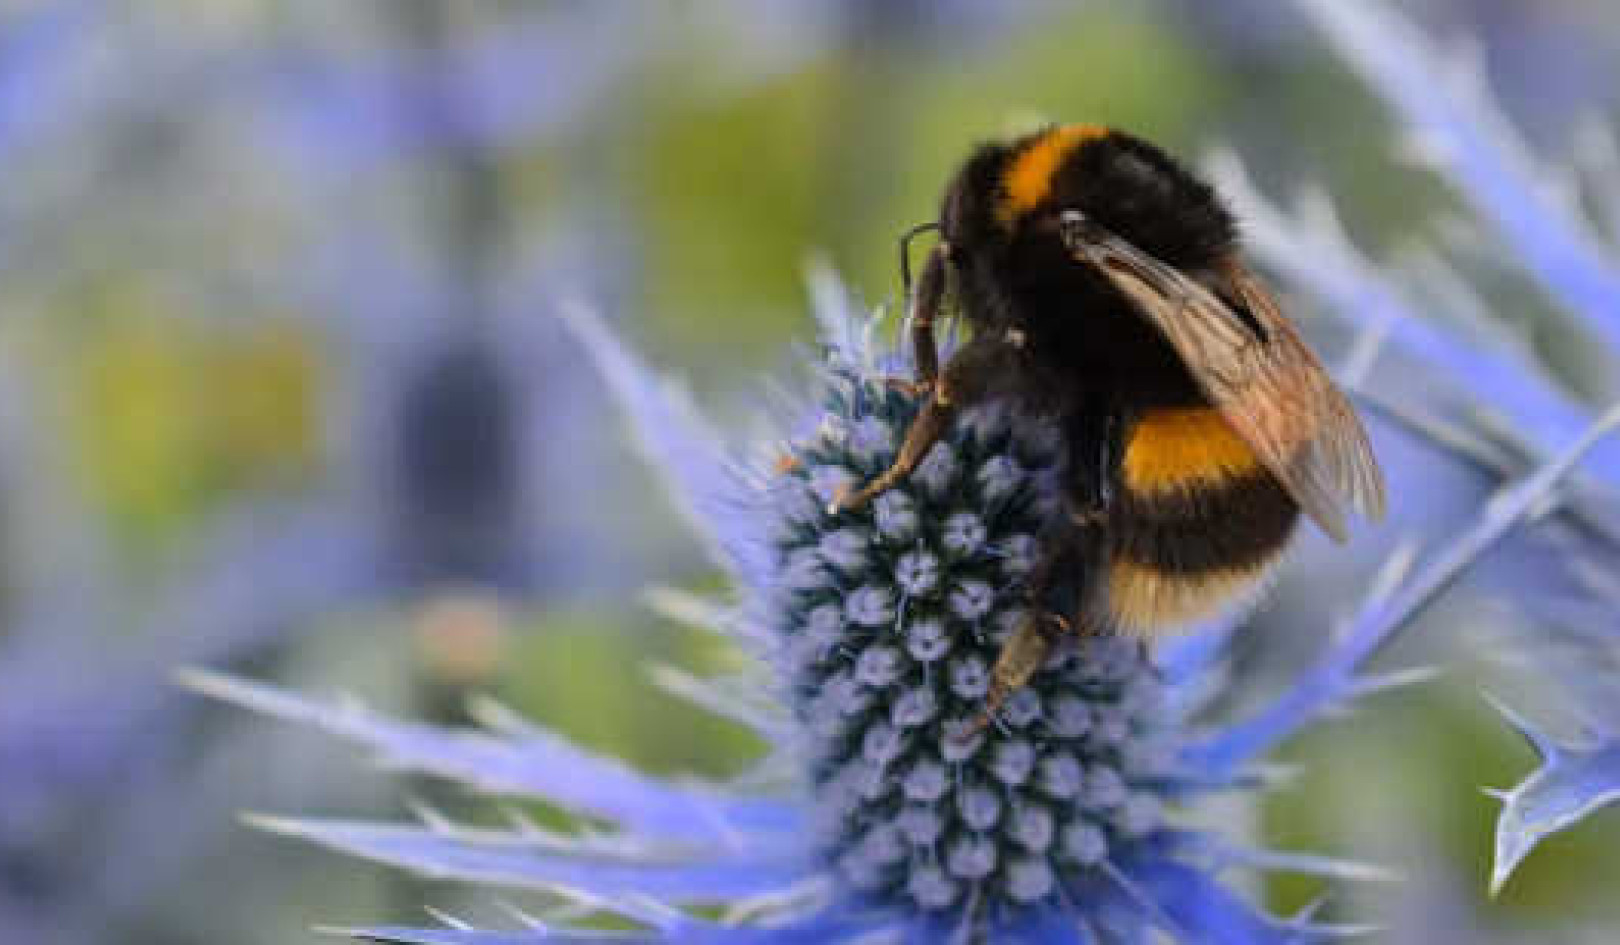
[(1067, 822), (1503, 407), (98, 754)]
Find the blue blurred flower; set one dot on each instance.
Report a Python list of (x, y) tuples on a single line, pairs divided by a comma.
[(41, 72), (1060, 824), (1486, 395), (536, 75)]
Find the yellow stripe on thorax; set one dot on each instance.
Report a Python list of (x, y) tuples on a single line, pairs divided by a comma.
[(1179, 448), (1028, 178)]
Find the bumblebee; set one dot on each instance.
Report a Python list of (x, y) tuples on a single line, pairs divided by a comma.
[(1104, 292)]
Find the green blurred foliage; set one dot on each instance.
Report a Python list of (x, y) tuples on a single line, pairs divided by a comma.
[(587, 675), (839, 157), (169, 417)]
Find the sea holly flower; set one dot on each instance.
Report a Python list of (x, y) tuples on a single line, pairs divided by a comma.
[(1060, 823), (886, 645)]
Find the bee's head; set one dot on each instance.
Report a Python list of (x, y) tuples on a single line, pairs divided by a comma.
[(1005, 204)]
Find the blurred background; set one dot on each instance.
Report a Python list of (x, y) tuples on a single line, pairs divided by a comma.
[(281, 391)]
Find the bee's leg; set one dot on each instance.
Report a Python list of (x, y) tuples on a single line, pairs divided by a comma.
[(1096, 469), (930, 293), (1023, 653), (924, 313), (925, 431), (1041, 629), (964, 381)]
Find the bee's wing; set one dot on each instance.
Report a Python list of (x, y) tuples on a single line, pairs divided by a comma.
[(1261, 376)]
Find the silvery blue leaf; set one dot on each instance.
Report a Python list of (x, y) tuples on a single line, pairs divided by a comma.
[(815, 931), (1194, 908), (534, 763), (1571, 782), (518, 860), (1454, 121), (680, 443), (1334, 678)]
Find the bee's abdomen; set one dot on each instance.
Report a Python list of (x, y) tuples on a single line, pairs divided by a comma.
[(1237, 525), (1198, 523)]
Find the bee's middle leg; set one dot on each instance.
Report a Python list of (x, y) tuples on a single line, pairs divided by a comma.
[(963, 383), (931, 424)]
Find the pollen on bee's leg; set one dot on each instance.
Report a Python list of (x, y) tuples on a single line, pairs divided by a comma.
[(907, 387)]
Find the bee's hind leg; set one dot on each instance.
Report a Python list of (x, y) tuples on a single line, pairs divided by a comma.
[(1042, 627), (1023, 653)]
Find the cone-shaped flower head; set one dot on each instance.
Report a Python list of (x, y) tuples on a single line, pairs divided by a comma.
[(888, 621)]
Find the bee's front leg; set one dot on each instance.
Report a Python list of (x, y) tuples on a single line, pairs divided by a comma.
[(925, 307), (930, 296)]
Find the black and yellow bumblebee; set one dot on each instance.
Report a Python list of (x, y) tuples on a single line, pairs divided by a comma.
[(1104, 292)]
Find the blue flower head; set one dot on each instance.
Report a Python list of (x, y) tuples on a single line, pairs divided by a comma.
[(872, 815), (886, 624)]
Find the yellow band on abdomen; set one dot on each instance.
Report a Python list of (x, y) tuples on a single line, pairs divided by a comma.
[(1182, 448)]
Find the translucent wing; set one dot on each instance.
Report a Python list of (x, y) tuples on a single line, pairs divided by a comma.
[(1255, 369)]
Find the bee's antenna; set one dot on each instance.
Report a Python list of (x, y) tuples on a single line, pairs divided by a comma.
[(905, 253)]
